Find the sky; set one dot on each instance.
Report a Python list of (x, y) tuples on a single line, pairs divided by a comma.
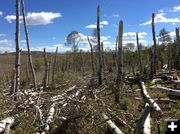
[(50, 22)]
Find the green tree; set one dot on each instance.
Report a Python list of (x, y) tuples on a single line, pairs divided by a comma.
[(164, 36)]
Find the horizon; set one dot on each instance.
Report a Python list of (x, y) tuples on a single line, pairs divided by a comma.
[(50, 23)]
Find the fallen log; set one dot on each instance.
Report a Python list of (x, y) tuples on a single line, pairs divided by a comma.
[(166, 90), (111, 126), (6, 124), (148, 98), (143, 123)]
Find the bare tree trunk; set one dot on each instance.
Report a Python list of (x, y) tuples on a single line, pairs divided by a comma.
[(155, 47), (54, 69), (49, 70), (103, 58), (177, 49), (17, 60), (139, 53), (151, 62), (28, 47), (120, 61), (116, 56), (45, 71), (169, 56), (27, 70), (99, 47), (92, 57), (13, 81)]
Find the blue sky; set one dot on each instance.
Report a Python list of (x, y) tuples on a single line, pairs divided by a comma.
[(50, 21)]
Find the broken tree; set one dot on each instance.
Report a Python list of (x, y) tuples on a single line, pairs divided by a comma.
[(28, 47)]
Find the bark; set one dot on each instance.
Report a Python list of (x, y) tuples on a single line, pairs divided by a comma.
[(49, 70), (54, 69), (139, 53), (103, 58), (17, 59), (99, 47), (6, 124), (92, 57), (152, 63), (13, 81), (177, 49), (148, 98), (143, 123), (28, 47), (155, 46), (120, 61), (45, 71), (111, 126), (169, 56), (168, 91)]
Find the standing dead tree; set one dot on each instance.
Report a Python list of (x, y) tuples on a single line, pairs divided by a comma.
[(92, 56), (139, 53), (99, 47), (103, 58), (17, 59), (28, 46), (45, 70), (155, 47), (54, 68), (177, 49), (120, 61)]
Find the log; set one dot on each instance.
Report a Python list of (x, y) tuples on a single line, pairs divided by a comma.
[(6, 124), (111, 126), (148, 98), (143, 123), (166, 90)]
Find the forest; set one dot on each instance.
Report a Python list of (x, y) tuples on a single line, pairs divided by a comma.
[(132, 89)]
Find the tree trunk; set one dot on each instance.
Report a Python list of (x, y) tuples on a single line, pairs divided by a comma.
[(139, 53), (155, 47), (92, 57), (120, 61), (99, 47), (45, 71), (17, 59), (169, 57), (177, 49), (54, 69), (103, 58), (28, 47)]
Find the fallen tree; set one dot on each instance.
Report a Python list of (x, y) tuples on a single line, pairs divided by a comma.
[(148, 98), (111, 126), (166, 90), (6, 124)]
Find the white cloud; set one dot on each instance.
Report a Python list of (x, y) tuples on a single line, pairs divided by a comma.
[(115, 15), (1, 35), (1, 13), (36, 18), (132, 35), (91, 26), (105, 22), (6, 42), (23, 41), (6, 49), (176, 8), (102, 24), (11, 18), (160, 18)]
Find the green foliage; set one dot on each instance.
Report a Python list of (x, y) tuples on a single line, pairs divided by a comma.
[(164, 36)]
